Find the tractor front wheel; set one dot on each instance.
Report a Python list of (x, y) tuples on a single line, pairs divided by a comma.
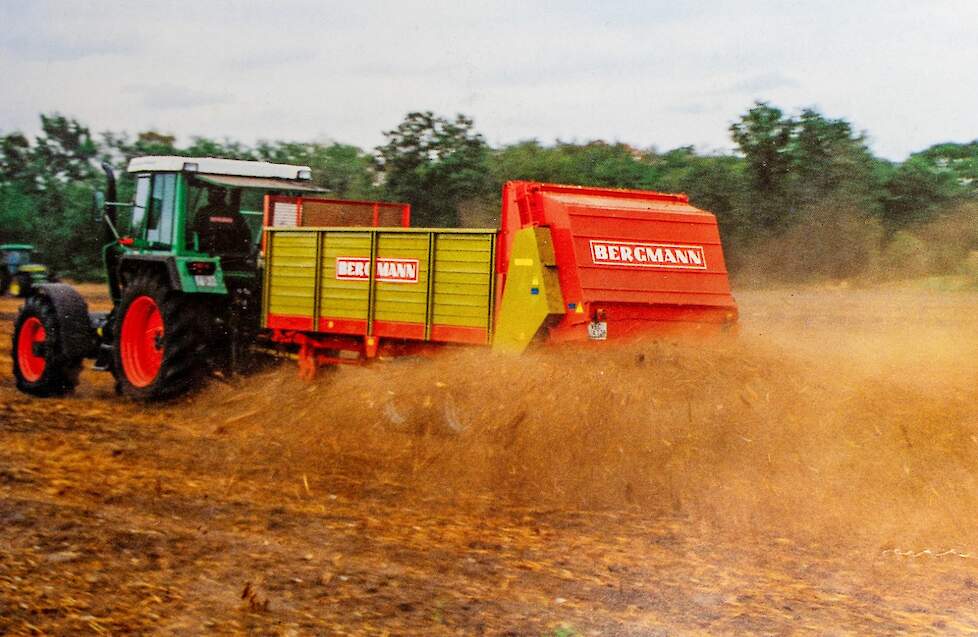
[(40, 366), (159, 341)]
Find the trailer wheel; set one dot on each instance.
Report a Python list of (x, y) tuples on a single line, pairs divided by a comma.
[(40, 366), (159, 341)]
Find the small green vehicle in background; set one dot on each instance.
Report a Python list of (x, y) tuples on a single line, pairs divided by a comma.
[(18, 272)]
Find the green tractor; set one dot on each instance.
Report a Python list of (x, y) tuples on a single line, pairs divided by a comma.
[(182, 262), (19, 274)]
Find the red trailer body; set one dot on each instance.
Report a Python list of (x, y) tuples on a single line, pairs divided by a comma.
[(569, 263), (646, 262)]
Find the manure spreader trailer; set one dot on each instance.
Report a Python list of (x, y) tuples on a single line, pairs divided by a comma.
[(216, 258)]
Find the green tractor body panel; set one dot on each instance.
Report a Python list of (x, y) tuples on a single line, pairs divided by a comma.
[(200, 283), (188, 274)]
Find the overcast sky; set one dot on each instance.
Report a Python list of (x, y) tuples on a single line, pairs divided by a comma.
[(654, 73)]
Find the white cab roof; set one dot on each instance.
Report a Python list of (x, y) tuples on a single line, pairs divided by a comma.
[(217, 166)]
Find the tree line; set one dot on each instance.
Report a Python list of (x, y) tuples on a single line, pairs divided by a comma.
[(802, 197)]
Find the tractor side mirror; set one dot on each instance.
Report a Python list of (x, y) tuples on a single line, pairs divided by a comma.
[(102, 210), (99, 206)]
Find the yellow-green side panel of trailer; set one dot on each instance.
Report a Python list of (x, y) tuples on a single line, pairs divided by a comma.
[(292, 273), (463, 273), (402, 298), (343, 297)]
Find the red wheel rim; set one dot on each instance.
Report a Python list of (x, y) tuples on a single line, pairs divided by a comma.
[(141, 341), (31, 365)]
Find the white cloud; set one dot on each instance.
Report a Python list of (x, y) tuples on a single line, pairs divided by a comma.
[(172, 97)]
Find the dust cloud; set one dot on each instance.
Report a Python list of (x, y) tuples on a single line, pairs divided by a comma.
[(837, 240), (845, 415)]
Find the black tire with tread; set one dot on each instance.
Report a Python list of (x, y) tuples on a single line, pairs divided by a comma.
[(185, 327), (61, 373)]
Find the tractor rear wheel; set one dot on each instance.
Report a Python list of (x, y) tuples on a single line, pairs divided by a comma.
[(40, 366), (159, 341)]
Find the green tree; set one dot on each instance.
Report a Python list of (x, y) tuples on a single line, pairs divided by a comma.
[(795, 164), (929, 182), (225, 148), (65, 169), (595, 163), (435, 164), (16, 188), (15, 159), (64, 152), (915, 192), (16, 210), (961, 160), (829, 160), (119, 148), (344, 170), (47, 190), (763, 136)]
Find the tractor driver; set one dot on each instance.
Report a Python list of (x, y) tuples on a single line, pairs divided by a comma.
[(220, 227)]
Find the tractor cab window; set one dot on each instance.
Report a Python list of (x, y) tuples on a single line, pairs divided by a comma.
[(159, 217), (153, 207), (216, 221), (16, 257), (252, 209), (140, 204)]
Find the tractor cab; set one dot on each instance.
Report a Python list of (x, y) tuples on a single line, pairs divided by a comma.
[(18, 271), (15, 255), (201, 217)]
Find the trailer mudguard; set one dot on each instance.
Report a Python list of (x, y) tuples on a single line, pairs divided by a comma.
[(76, 336), (532, 290)]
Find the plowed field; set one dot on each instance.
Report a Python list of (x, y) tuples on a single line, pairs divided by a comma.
[(818, 474)]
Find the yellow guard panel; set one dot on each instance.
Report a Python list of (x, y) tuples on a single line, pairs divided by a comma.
[(292, 280)]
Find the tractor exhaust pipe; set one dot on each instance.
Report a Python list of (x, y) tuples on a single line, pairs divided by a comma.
[(110, 233), (110, 198)]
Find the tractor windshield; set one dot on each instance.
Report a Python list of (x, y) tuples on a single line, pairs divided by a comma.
[(17, 257)]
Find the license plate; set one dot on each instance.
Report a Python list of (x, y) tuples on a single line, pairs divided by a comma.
[(597, 330), (205, 281)]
